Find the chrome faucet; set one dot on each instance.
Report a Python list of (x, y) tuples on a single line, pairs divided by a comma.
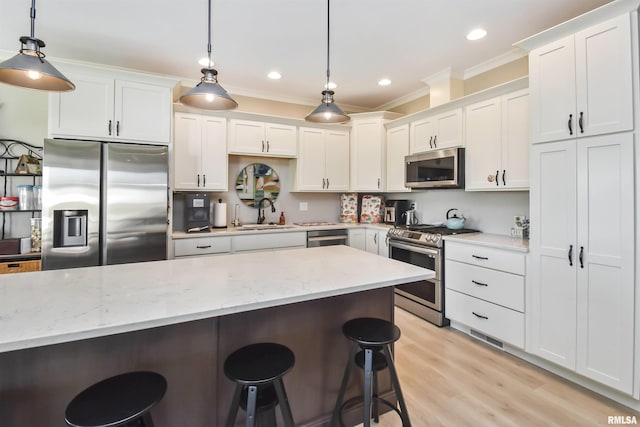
[(261, 217)]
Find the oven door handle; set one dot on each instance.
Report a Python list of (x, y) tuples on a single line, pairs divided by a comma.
[(414, 248)]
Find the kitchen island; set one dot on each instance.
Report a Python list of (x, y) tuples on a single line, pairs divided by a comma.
[(63, 330)]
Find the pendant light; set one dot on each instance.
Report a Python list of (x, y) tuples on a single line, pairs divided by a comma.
[(327, 111), (208, 94), (29, 68)]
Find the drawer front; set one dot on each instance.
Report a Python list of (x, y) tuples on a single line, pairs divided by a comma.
[(252, 242), (491, 319), (19, 266), (202, 246), (498, 259), (495, 286)]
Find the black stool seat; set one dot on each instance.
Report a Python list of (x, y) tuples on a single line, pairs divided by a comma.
[(117, 401), (257, 370), (374, 337), (371, 332), (259, 363)]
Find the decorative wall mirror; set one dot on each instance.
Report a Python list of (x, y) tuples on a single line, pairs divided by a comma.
[(255, 182)]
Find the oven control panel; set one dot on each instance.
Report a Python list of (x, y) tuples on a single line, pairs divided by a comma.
[(424, 238)]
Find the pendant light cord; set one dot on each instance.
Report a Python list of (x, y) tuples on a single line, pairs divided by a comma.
[(328, 40), (33, 18), (209, 39)]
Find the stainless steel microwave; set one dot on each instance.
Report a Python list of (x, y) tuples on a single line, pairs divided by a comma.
[(435, 169)]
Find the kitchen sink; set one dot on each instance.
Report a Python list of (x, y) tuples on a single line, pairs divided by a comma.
[(263, 227)]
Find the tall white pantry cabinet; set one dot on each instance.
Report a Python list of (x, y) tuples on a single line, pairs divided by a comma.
[(582, 297)]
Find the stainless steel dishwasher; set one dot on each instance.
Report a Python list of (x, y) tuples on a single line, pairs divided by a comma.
[(327, 238)]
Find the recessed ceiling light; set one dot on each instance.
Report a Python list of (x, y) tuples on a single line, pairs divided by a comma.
[(330, 86), (476, 34), (205, 62), (384, 82), (274, 75)]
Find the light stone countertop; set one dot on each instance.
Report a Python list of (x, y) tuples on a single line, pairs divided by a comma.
[(289, 228), (56, 306), (491, 240)]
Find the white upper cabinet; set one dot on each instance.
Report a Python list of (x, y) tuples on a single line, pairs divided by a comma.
[(262, 139), (323, 160), (581, 85), (397, 149), (497, 143), (111, 109), (200, 153), (368, 154), (440, 131)]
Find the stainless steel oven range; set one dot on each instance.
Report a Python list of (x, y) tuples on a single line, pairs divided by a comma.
[(422, 245)]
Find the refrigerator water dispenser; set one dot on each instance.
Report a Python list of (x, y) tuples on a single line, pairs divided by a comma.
[(69, 228)]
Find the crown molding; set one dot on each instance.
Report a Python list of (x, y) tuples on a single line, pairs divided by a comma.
[(495, 62), (446, 74), (411, 96)]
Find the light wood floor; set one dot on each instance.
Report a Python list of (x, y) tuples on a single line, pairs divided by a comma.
[(450, 379)]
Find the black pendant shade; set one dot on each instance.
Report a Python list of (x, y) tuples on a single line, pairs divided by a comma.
[(208, 94), (29, 68)]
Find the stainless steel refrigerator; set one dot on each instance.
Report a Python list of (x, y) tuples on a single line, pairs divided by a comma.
[(103, 203)]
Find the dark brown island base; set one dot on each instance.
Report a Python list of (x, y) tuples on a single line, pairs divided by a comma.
[(42, 372)]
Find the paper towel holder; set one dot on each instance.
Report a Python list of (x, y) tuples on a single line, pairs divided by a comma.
[(219, 214)]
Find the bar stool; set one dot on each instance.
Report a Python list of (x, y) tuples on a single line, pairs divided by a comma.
[(374, 337), (122, 400), (257, 370)]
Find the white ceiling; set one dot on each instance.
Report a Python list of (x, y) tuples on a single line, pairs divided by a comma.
[(403, 40)]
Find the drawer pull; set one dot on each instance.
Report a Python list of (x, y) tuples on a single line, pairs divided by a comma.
[(480, 257), (203, 247), (479, 283), (480, 315), (14, 265)]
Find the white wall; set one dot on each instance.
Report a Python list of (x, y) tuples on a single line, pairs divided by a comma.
[(487, 211), (23, 114)]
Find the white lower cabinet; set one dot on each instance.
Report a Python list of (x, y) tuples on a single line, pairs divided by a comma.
[(202, 246), (581, 295), (357, 238), (372, 240), (268, 241), (210, 245), (485, 290)]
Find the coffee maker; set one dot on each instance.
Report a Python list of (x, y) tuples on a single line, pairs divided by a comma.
[(394, 211), (196, 212)]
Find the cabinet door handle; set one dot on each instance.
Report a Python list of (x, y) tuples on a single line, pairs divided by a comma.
[(323, 183), (479, 283), (267, 146), (570, 124), (204, 180), (504, 181), (109, 127), (497, 178), (378, 183), (480, 257), (327, 183), (580, 122), (203, 247), (434, 141), (263, 146), (570, 255), (118, 128), (480, 315), (581, 256), (431, 142), (375, 238), (198, 180)]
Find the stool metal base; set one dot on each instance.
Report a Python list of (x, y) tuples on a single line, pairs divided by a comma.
[(371, 398)]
